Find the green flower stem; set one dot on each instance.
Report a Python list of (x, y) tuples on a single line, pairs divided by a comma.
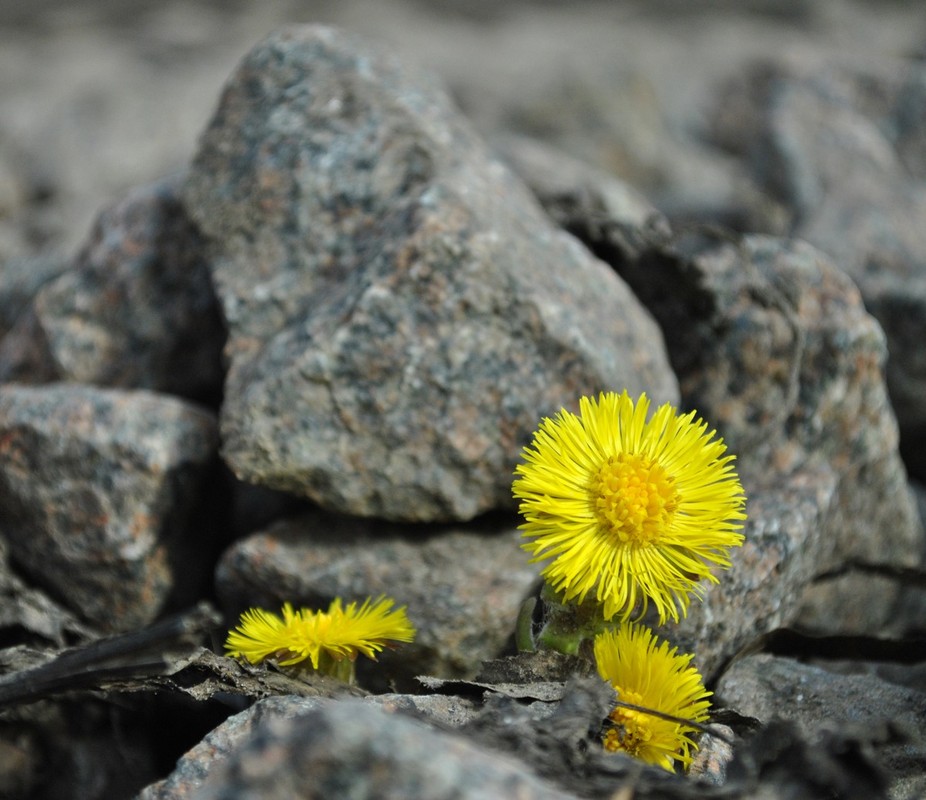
[(342, 670), (524, 628), (567, 625)]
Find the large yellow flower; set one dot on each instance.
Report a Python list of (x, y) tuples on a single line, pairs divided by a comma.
[(638, 511), (334, 635), (649, 674)]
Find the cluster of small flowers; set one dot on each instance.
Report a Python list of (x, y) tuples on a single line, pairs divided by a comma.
[(630, 512)]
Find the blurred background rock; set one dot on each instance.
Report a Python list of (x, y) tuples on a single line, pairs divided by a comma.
[(97, 96)]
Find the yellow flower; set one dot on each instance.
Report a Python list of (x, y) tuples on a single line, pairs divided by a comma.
[(639, 511), (321, 637), (649, 674)]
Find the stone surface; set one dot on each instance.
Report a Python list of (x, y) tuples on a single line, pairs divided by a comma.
[(226, 740), (787, 533), (463, 586), (31, 612), (352, 749), (95, 487), (769, 687), (20, 279), (103, 96), (296, 740), (789, 366), (911, 606), (773, 347), (222, 742), (569, 188), (400, 311), (135, 310), (840, 147)]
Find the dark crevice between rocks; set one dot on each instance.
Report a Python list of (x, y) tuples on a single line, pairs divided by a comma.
[(796, 644)]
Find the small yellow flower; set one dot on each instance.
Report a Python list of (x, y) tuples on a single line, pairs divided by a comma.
[(638, 511), (321, 637), (646, 673)]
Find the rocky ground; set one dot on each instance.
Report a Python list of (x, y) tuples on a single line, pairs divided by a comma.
[(280, 304)]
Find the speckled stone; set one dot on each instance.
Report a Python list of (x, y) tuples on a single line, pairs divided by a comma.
[(569, 188), (223, 742), (135, 310), (463, 587), (773, 346), (769, 687), (353, 749), (785, 534), (713, 756), (401, 312), (841, 148), (95, 485), (229, 738), (790, 369), (20, 279)]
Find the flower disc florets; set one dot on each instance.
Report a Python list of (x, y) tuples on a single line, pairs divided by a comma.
[(637, 511)]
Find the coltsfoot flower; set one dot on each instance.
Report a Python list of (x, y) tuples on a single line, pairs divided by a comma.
[(635, 511), (328, 640), (649, 674)]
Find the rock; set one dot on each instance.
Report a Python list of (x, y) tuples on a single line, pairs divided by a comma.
[(570, 189), (840, 148), (769, 687), (773, 347), (136, 309), (786, 362), (339, 749), (20, 279), (223, 742), (30, 612), (400, 311), (795, 383), (787, 531), (96, 489), (463, 586), (447, 711), (232, 735), (712, 758)]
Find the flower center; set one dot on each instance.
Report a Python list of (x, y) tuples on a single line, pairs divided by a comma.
[(632, 729), (634, 497)]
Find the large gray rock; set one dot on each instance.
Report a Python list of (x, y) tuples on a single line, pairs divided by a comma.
[(20, 279), (400, 311), (29, 610), (225, 742), (463, 588), (773, 346), (96, 489), (353, 749), (194, 766), (788, 531), (790, 367), (840, 148), (819, 700), (135, 310)]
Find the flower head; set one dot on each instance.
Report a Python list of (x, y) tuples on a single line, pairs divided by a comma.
[(638, 511), (320, 637), (650, 674)]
